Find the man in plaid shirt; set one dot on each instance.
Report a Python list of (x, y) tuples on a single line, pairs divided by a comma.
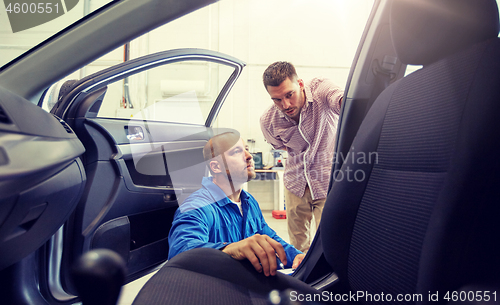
[(302, 121)]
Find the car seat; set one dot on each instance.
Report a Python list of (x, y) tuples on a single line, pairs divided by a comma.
[(424, 219)]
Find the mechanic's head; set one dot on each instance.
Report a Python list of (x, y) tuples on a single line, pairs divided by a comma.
[(285, 88), (227, 158)]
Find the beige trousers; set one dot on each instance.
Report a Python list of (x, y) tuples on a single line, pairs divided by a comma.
[(299, 215)]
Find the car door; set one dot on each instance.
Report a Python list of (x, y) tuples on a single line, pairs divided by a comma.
[(143, 124)]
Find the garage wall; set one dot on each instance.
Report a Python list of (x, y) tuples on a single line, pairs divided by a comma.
[(319, 37)]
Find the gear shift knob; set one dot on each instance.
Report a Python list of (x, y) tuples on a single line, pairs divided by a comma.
[(98, 276)]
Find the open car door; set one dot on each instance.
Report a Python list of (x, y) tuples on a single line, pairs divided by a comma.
[(144, 124)]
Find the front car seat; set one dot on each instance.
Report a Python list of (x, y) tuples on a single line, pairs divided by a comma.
[(424, 220)]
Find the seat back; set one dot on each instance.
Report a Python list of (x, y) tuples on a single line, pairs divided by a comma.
[(420, 214)]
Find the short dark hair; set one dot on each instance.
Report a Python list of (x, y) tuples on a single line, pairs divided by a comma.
[(213, 147), (278, 72)]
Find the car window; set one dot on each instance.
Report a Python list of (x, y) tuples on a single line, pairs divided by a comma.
[(25, 24), (180, 92), (412, 68)]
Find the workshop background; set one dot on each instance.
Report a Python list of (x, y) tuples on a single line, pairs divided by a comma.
[(258, 32)]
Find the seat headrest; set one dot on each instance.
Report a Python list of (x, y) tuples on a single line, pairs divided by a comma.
[(424, 31)]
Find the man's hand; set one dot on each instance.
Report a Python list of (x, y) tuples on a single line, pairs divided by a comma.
[(260, 250), (297, 260)]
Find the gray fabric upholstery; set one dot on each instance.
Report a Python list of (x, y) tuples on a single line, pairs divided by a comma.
[(383, 233), (209, 276)]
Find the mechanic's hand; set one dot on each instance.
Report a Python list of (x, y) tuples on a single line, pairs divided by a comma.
[(260, 250), (297, 260)]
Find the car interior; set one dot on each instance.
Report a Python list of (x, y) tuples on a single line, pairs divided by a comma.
[(417, 221), (424, 218)]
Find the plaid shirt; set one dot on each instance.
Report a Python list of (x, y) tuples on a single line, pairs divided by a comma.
[(311, 142)]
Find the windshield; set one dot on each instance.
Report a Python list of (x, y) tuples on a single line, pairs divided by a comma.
[(27, 23)]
